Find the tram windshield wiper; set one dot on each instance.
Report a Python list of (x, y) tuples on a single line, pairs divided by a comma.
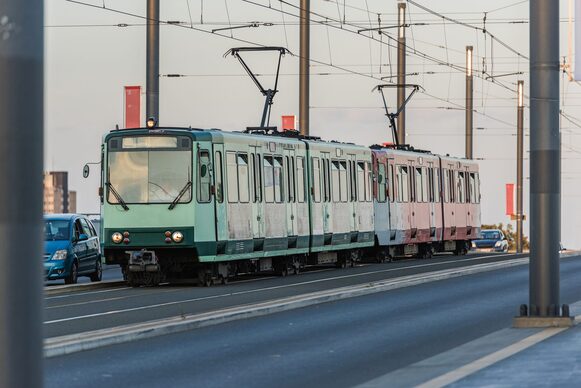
[(117, 196), (180, 195)]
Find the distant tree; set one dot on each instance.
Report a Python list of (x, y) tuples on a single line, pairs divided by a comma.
[(510, 234)]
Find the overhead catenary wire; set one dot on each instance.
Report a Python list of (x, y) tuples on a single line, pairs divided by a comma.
[(118, 11), (459, 68)]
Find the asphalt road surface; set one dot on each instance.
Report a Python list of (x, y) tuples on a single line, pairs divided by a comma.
[(336, 344), (77, 312)]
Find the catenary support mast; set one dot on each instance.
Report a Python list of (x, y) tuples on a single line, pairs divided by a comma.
[(152, 65), (545, 192), (21, 165), (304, 71)]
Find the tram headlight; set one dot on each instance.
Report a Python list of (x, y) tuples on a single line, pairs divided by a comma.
[(177, 237), (117, 237)]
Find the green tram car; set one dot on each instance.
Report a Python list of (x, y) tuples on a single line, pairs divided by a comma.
[(183, 203)]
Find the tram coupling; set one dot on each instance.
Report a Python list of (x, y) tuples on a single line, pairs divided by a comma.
[(143, 261)]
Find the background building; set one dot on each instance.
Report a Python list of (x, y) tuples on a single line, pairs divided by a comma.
[(57, 197)]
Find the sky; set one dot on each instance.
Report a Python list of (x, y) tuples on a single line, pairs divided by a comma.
[(89, 58)]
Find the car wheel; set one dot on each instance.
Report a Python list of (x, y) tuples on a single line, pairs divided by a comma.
[(73, 274), (98, 274)]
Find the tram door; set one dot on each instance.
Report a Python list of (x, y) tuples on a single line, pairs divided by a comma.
[(326, 193), (414, 176), (256, 193), (352, 168), (290, 197), (220, 202)]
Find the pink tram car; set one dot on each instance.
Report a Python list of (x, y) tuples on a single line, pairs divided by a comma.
[(424, 203)]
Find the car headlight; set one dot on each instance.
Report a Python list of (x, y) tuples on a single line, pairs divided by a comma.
[(473, 244), (60, 255), (177, 237), (498, 243), (117, 237)]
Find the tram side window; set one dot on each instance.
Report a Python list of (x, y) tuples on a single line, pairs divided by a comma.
[(446, 188), (412, 184), (430, 185), (349, 182), (243, 193), (403, 184), (361, 181), (353, 182), (425, 184), (251, 177), (369, 176), (452, 186), (218, 177), (437, 194), (392, 184), (477, 188), (316, 189), (204, 176), (278, 180), (326, 181), (461, 187), (472, 187), (300, 179), (419, 185), (268, 178), (257, 179), (381, 183), (335, 180), (231, 171), (291, 178), (343, 180)]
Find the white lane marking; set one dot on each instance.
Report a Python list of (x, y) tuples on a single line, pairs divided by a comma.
[(493, 358), (163, 291), (146, 307), (87, 293)]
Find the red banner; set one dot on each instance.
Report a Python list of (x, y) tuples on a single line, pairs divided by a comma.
[(132, 106), (509, 199), (288, 123)]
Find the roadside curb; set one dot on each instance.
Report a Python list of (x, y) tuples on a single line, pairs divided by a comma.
[(57, 290), (58, 346)]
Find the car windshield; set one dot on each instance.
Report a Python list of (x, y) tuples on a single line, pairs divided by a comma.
[(490, 235), (156, 175), (56, 230)]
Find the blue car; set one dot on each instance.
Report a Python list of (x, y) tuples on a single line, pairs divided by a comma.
[(491, 240), (71, 248)]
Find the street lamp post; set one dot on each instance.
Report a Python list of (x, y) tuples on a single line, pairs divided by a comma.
[(469, 104), (519, 166)]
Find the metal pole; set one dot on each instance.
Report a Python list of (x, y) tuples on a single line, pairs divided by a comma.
[(401, 72), (152, 66), (21, 165), (545, 173), (469, 104), (304, 71), (519, 166)]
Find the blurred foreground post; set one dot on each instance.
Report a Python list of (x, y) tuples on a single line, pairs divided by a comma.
[(21, 161)]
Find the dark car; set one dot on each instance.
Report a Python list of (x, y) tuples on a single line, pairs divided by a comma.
[(71, 248), (492, 240)]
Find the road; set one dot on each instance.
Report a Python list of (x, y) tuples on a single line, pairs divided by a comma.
[(338, 344), (77, 312), (110, 272)]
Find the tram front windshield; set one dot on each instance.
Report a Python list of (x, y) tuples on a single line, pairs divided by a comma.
[(149, 169)]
